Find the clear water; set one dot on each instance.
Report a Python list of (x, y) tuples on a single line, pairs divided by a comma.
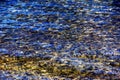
[(68, 28)]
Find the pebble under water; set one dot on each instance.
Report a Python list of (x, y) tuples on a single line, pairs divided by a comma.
[(59, 40)]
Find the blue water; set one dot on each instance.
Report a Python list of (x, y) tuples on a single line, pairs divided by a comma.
[(47, 26)]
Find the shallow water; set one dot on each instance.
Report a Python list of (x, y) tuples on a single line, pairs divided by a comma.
[(81, 33)]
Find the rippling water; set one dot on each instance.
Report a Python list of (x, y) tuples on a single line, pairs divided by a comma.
[(81, 33)]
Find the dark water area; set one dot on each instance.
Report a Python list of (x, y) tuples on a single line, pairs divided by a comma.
[(84, 34)]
